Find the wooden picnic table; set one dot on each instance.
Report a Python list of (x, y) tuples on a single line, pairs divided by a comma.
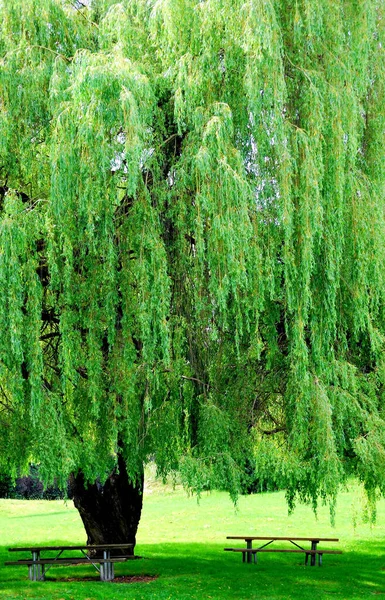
[(249, 551), (38, 566)]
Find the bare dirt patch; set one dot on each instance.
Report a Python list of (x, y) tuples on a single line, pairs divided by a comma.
[(135, 579), (119, 579)]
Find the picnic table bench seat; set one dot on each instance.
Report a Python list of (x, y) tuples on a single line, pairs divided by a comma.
[(255, 551), (87, 547), (67, 560)]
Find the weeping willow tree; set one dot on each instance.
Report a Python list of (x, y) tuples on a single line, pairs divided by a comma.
[(192, 246)]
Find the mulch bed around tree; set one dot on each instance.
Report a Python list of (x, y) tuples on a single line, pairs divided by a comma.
[(120, 579), (135, 579)]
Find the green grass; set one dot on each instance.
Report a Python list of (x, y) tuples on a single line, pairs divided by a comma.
[(183, 542)]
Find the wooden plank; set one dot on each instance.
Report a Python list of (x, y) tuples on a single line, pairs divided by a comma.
[(66, 561), (297, 539), (96, 547), (254, 550), (63, 559), (303, 551)]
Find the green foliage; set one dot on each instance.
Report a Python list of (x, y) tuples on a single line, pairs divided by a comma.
[(192, 240)]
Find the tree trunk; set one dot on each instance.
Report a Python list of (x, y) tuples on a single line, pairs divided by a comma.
[(110, 512)]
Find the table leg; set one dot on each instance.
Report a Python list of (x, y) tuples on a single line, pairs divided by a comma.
[(313, 556), (249, 545), (103, 569), (106, 568), (36, 571)]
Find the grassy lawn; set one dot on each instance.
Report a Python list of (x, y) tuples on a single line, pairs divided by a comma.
[(182, 543)]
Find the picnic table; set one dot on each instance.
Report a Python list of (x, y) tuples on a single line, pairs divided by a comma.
[(313, 551), (38, 566)]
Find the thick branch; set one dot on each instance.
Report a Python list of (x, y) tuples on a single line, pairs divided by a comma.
[(272, 431)]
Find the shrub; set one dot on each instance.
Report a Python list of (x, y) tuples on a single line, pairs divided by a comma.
[(28, 487)]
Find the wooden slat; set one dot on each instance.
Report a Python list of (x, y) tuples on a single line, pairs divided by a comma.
[(297, 539), (96, 547), (254, 550), (66, 561), (69, 558)]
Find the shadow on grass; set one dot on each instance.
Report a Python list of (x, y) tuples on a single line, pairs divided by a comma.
[(38, 515), (196, 571)]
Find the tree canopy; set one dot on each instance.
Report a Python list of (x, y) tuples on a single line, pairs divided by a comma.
[(192, 240)]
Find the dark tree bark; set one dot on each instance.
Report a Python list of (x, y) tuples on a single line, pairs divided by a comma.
[(110, 512)]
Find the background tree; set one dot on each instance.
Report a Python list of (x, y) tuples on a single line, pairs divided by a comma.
[(192, 246)]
